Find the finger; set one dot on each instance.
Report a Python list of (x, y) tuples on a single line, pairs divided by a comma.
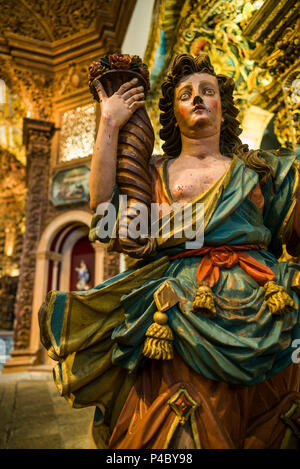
[(100, 89), (136, 105), (126, 86), (135, 97), (131, 92)]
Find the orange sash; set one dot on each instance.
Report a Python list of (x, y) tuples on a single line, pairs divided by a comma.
[(226, 257)]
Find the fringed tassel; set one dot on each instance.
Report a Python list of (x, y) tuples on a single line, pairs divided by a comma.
[(204, 302), (277, 299), (158, 344)]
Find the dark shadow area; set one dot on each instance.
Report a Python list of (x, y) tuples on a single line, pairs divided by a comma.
[(269, 140)]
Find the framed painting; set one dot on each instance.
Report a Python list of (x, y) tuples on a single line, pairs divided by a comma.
[(70, 186)]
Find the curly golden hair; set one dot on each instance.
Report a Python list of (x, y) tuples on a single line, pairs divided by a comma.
[(230, 144)]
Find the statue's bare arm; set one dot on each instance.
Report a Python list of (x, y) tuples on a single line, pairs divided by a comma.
[(116, 110)]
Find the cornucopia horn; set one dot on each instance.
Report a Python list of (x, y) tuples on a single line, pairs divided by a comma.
[(135, 146)]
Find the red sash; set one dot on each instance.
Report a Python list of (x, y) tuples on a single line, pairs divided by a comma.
[(226, 257)]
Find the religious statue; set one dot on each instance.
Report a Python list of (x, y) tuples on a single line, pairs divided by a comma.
[(83, 276), (191, 347)]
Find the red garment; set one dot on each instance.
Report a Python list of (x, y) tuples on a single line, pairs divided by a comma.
[(228, 416), (226, 257)]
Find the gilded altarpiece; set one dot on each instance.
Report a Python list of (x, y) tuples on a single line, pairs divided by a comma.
[(254, 42), (215, 27), (275, 30), (12, 220)]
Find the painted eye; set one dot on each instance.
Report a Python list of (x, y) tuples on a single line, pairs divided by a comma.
[(209, 91), (184, 96)]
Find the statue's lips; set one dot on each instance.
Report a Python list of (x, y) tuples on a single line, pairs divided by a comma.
[(199, 107)]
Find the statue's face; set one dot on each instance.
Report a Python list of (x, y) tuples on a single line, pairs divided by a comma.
[(197, 105)]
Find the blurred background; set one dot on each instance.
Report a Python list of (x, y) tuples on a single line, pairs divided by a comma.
[(48, 124)]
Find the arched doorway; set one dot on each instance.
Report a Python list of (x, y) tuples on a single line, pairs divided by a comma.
[(69, 247), (63, 244)]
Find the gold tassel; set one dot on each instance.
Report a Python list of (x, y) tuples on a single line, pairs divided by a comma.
[(277, 299), (204, 302), (158, 344)]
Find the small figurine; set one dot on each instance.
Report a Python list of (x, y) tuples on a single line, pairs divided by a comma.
[(83, 276)]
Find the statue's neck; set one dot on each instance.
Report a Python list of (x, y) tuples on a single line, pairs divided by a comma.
[(200, 147)]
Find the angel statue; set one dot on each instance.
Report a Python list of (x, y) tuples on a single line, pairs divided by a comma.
[(190, 347)]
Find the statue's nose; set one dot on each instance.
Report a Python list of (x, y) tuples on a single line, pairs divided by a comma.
[(197, 100)]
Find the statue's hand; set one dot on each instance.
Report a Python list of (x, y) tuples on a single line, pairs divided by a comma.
[(119, 107)]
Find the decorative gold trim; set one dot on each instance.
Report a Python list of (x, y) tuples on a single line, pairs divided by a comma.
[(93, 227), (195, 431), (287, 418), (57, 380), (165, 175), (286, 439), (223, 180), (159, 339), (52, 354), (182, 419), (204, 302), (154, 34), (209, 198), (194, 405), (53, 350), (285, 230), (165, 297), (171, 432), (296, 282), (277, 298), (65, 327)]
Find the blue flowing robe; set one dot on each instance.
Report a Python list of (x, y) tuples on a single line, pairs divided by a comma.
[(97, 336)]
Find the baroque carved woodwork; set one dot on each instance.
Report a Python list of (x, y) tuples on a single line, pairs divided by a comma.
[(12, 113), (256, 44), (47, 20), (55, 19), (8, 289), (12, 214), (35, 89), (45, 50), (281, 126), (275, 28), (215, 27), (37, 138), (291, 89), (45, 47), (71, 80)]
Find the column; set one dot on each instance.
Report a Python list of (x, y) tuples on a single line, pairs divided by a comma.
[(100, 250), (37, 136)]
